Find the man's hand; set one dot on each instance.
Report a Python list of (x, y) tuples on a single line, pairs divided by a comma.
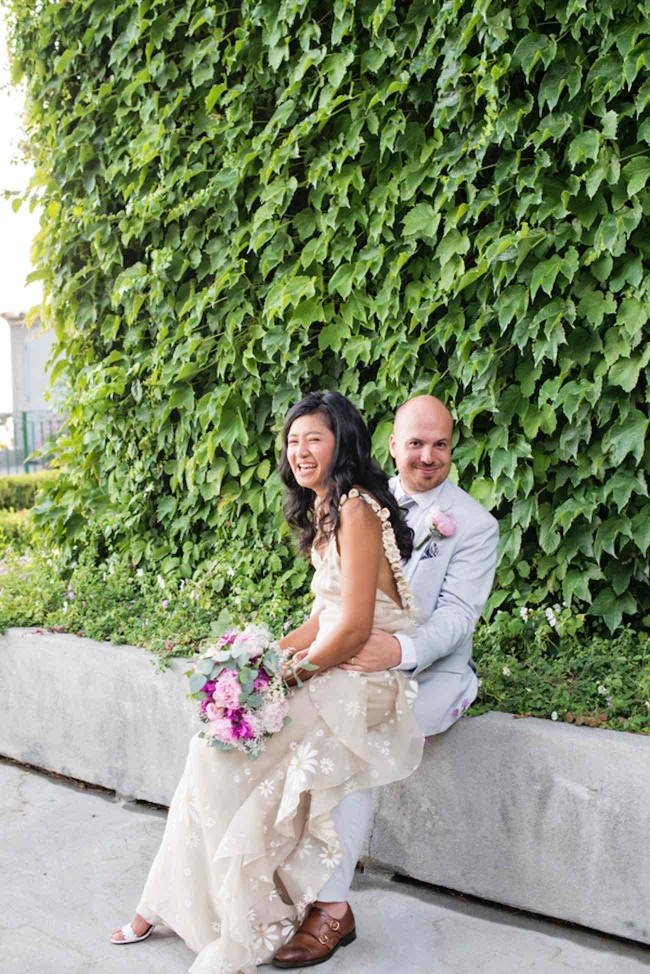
[(381, 652)]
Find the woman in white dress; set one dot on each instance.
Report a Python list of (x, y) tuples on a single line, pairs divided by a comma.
[(249, 843)]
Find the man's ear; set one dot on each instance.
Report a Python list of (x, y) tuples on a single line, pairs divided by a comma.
[(391, 445)]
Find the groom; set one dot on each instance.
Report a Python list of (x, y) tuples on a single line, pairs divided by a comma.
[(451, 576)]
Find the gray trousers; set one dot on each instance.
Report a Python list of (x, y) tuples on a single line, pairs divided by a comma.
[(435, 711)]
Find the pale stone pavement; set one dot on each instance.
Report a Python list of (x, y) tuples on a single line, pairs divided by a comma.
[(73, 861)]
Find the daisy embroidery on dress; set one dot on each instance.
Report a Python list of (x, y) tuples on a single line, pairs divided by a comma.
[(287, 930), (353, 708), (326, 766), (304, 849), (265, 936), (189, 809), (267, 787), (411, 691), (331, 859), (302, 764)]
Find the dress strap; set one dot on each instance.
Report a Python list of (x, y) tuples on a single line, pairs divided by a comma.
[(390, 545)]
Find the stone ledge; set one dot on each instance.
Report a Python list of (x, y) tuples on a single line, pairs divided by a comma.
[(546, 817)]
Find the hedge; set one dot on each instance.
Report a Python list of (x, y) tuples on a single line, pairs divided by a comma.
[(18, 491), (242, 203)]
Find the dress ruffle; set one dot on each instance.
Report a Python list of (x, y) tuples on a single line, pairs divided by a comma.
[(249, 844)]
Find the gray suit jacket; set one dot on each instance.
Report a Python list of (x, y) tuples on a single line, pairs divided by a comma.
[(451, 579)]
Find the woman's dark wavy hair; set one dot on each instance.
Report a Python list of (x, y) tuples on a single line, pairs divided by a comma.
[(352, 466)]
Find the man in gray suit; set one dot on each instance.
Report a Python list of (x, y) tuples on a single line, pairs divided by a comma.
[(451, 577)]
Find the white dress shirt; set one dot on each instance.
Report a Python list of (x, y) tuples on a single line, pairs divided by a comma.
[(417, 506)]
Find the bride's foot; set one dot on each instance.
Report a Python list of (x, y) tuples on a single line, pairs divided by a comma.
[(140, 928)]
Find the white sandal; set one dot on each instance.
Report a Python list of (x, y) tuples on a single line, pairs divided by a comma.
[(129, 935)]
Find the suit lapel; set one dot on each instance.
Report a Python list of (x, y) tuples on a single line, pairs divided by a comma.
[(414, 560)]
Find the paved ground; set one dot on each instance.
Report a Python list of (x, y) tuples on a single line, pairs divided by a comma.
[(73, 860)]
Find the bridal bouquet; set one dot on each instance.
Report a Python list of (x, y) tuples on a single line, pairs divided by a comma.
[(239, 682)]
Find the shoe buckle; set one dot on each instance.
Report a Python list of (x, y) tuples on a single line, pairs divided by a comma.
[(324, 938), (334, 925)]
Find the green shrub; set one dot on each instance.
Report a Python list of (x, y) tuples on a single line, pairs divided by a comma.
[(18, 491), (117, 602), (15, 531), (531, 666), (544, 663), (244, 203)]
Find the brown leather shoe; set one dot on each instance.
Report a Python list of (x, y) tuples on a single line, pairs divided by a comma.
[(317, 938)]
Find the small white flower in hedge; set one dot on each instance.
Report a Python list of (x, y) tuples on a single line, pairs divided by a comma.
[(550, 615), (554, 715), (523, 612), (602, 690), (506, 671)]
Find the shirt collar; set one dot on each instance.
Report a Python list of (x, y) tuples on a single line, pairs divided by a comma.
[(423, 500)]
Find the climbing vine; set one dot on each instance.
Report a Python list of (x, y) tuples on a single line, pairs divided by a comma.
[(242, 203)]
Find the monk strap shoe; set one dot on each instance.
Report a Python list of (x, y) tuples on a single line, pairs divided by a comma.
[(316, 940)]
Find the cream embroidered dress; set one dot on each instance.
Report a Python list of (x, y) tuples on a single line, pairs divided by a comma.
[(249, 843)]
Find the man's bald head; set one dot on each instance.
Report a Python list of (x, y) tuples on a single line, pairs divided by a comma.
[(427, 408), (421, 443)]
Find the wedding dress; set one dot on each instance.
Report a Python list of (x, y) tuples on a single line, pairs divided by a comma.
[(249, 843)]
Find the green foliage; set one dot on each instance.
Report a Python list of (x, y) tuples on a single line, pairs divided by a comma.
[(532, 666), (545, 664), (15, 531), (244, 203), (111, 600), (18, 492)]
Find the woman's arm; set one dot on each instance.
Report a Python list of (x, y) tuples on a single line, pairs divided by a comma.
[(303, 636), (360, 546)]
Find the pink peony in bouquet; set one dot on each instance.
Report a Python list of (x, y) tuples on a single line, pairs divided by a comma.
[(239, 683)]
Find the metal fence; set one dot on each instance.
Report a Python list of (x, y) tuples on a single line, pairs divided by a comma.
[(21, 434)]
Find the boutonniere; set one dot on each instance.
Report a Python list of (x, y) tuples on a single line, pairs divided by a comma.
[(438, 524)]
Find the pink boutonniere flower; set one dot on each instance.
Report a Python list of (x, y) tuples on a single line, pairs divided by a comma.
[(439, 524)]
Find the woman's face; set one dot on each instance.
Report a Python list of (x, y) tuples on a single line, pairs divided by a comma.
[(310, 450)]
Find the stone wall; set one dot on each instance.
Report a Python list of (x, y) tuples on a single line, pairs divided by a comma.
[(547, 817)]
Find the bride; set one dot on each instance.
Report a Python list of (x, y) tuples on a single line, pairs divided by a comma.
[(249, 844)]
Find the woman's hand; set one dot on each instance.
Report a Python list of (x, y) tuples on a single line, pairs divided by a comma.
[(294, 663)]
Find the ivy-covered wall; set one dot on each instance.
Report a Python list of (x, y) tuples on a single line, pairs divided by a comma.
[(244, 202)]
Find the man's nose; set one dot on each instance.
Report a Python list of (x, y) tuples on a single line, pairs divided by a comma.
[(427, 455)]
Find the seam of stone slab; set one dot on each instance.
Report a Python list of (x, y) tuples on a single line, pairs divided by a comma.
[(399, 880), (80, 785)]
